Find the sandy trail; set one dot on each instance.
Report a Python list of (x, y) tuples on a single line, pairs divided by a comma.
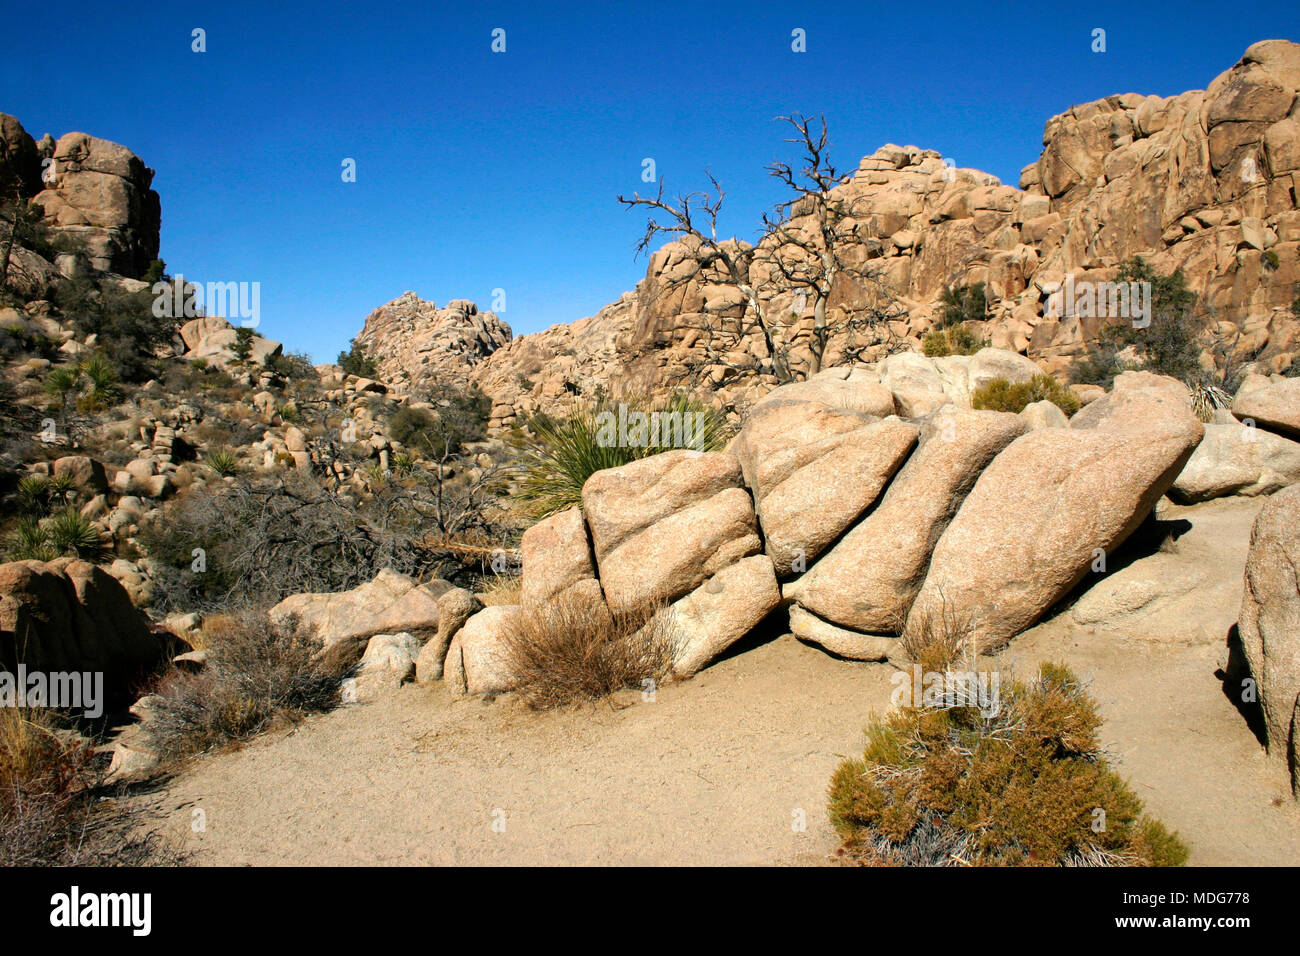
[(717, 770)]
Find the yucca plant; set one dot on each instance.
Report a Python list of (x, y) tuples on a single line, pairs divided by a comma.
[(70, 533), (34, 493), (59, 383), (559, 456), (61, 488), (30, 542), (1208, 398), (105, 387), (223, 461)]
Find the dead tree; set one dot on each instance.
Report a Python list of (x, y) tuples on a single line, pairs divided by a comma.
[(808, 242)]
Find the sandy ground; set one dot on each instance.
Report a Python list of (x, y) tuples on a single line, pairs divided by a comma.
[(721, 769)]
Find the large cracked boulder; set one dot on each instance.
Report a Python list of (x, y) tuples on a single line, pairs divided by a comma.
[(855, 389), (1047, 506), (662, 526), (867, 582), (1269, 624), (556, 556), (70, 616), (814, 470), (1275, 406), (1237, 460)]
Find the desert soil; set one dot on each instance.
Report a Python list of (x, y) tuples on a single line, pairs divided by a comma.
[(720, 769)]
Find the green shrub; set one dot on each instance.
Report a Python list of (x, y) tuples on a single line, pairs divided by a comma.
[(1025, 785), (127, 332), (561, 454), (355, 361), (958, 339), (243, 346), (1170, 345), (964, 304), (1001, 395), (459, 416)]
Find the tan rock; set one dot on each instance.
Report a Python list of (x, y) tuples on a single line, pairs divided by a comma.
[(663, 525), (868, 581), (1047, 507), (455, 607), (482, 644), (1269, 625), (840, 641), (721, 611), (1275, 406), (814, 470), (1235, 459), (556, 556)]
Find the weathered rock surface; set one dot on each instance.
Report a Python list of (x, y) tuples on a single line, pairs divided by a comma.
[(359, 613), (663, 525), (455, 607), (556, 556), (1269, 624), (1275, 406), (814, 470), (867, 582), (388, 662), (480, 651), (722, 611), (842, 642), (70, 616), (1237, 460), (1047, 506)]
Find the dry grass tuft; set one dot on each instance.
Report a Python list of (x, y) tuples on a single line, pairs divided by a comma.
[(571, 650), (500, 589), (53, 810)]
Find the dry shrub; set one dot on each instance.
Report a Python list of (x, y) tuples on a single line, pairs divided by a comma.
[(572, 650), (53, 810), (256, 672), (937, 638), (1023, 783), (500, 589)]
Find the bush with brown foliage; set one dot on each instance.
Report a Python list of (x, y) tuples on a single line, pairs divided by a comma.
[(568, 651), (256, 672), (1022, 783)]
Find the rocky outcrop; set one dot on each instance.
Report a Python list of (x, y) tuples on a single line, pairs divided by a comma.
[(414, 343), (813, 471), (95, 192), (1269, 624), (1235, 459), (1275, 406), (70, 616), (868, 581), (1205, 181), (390, 603), (662, 526)]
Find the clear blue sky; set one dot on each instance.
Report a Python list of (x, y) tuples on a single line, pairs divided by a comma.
[(478, 171)]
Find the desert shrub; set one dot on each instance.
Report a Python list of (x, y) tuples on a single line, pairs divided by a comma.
[(355, 361), (256, 672), (499, 589), (554, 462), (958, 339), (127, 332), (54, 807), (263, 538), (569, 651), (1170, 345), (156, 272), (1026, 785), (1000, 395), (293, 366), (964, 304), (460, 416), (1207, 398)]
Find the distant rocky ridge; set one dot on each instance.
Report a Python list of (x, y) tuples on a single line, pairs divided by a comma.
[(1206, 181)]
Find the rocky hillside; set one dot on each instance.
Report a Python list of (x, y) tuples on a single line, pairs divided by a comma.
[(1205, 181)]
